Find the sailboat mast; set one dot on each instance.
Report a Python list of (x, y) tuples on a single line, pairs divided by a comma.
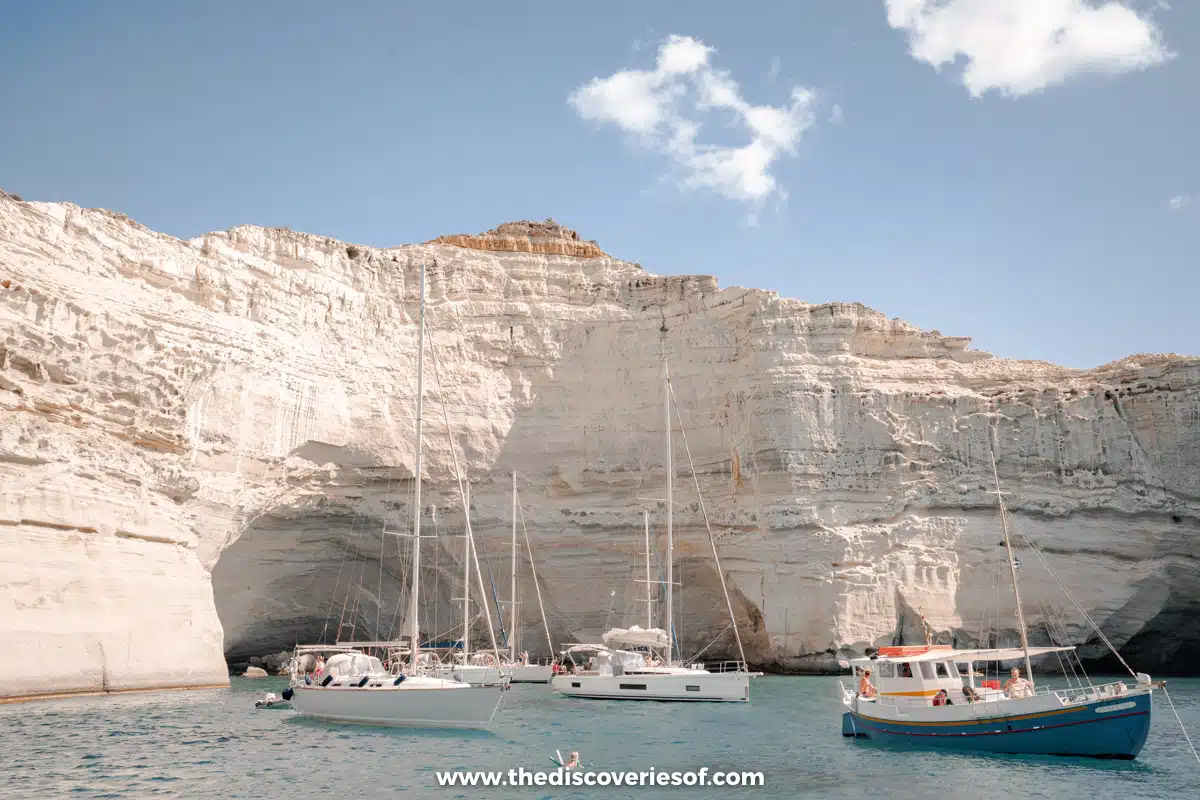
[(512, 622), (537, 587), (670, 465), (649, 588), (1012, 568), (466, 648), (413, 629)]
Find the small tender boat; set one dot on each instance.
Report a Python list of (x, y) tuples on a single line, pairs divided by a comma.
[(272, 700)]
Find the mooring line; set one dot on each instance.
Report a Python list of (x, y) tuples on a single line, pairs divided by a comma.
[(1182, 727)]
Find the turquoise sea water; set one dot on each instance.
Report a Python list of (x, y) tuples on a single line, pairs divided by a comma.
[(214, 744)]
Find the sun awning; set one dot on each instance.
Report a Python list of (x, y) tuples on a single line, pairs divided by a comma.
[(993, 654), (636, 637), (997, 654)]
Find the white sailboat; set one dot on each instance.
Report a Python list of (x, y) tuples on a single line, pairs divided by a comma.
[(355, 687), (519, 668), (482, 668), (477, 669), (639, 663)]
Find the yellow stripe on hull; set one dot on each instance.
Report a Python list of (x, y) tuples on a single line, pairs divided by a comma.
[(982, 721)]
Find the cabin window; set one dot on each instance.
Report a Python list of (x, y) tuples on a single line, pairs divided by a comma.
[(633, 686), (693, 688), (887, 670), (574, 685), (927, 670), (952, 669), (906, 670), (942, 672)]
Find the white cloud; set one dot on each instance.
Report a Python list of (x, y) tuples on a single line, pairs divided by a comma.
[(773, 72), (663, 107), (1179, 202), (1017, 47), (835, 113)]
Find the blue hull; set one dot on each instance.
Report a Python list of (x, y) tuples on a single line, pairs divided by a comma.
[(1112, 728)]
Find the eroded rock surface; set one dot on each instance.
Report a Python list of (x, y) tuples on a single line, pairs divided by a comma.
[(546, 238), (224, 426)]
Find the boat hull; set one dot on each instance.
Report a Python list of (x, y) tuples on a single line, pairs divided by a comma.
[(1108, 728), (478, 675), (460, 707), (530, 673), (709, 687)]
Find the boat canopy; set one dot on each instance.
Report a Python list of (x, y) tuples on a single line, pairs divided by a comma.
[(624, 658), (636, 637), (948, 654), (347, 664)]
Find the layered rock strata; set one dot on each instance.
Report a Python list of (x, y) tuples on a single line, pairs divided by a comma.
[(205, 444)]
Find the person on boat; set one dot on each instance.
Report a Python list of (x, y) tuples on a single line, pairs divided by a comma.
[(573, 761), (865, 687), (1017, 687), (318, 668), (970, 694), (942, 698)]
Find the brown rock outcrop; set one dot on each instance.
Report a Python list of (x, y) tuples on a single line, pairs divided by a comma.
[(545, 238)]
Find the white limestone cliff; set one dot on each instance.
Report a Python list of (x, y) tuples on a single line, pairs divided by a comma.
[(200, 443)]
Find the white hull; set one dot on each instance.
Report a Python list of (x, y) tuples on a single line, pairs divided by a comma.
[(426, 703), (530, 673), (684, 685), (478, 675)]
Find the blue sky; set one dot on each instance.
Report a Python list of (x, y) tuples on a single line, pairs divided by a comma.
[(1034, 192)]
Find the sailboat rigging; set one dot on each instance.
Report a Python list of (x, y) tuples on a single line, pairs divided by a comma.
[(640, 663), (514, 665), (923, 698), (354, 686)]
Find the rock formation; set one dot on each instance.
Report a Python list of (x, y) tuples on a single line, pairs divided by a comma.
[(547, 238), (203, 443)]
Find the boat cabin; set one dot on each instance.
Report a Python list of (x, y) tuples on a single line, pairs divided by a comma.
[(916, 675)]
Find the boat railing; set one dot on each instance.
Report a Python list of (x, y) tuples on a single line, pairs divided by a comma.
[(1087, 694), (1067, 696), (721, 666), (533, 662)]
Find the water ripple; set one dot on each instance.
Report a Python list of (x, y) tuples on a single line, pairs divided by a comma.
[(215, 744)]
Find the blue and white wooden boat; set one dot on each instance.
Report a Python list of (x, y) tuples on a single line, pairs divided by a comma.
[(1101, 721), (926, 696)]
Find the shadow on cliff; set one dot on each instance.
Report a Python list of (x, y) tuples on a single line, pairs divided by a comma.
[(326, 571), (285, 579), (1157, 628), (1168, 643)]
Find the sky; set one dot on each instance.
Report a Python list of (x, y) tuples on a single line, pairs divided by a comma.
[(1023, 172)]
